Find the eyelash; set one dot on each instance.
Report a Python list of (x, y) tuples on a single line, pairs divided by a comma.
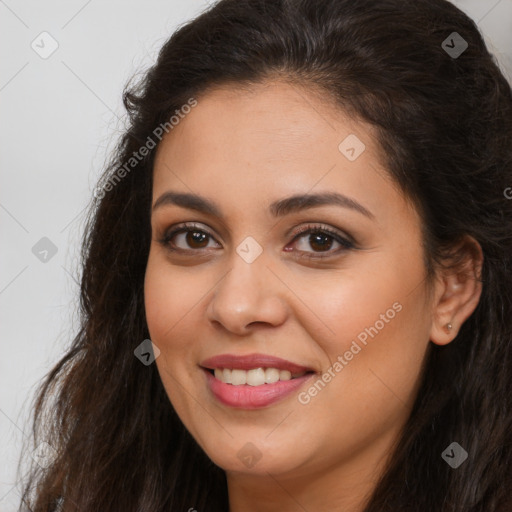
[(345, 243)]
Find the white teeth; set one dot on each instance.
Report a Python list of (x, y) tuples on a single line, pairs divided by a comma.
[(226, 376), (285, 375), (271, 375), (238, 377), (254, 377)]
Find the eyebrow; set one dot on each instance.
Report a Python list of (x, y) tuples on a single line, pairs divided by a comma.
[(278, 208)]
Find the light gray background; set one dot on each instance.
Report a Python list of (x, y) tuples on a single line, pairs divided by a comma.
[(59, 118)]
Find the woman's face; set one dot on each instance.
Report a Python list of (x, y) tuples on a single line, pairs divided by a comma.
[(346, 304)]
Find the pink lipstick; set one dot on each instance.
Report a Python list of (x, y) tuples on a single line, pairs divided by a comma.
[(253, 381)]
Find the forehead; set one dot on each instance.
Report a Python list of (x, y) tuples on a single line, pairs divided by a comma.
[(271, 140), (276, 112), (275, 126)]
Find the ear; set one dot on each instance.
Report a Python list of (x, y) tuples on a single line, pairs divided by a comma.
[(457, 292)]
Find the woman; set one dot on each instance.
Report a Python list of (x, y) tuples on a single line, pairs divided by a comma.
[(297, 274)]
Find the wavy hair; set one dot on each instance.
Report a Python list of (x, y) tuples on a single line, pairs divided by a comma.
[(444, 126)]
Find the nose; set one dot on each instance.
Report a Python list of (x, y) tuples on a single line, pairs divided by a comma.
[(249, 294)]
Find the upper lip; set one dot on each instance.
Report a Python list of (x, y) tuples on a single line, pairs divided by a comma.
[(251, 361)]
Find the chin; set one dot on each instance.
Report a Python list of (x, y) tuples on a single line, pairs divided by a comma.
[(256, 457)]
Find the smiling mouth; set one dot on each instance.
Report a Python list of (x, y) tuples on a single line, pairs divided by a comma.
[(255, 376), (253, 381)]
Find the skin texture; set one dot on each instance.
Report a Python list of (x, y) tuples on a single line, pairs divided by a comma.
[(244, 149)]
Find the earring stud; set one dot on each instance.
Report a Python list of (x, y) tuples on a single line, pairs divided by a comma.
[(448, 327)]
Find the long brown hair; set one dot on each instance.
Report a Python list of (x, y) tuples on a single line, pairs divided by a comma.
[(444, 123)]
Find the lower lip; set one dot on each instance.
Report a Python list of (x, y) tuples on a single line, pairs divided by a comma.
[(253, 397)]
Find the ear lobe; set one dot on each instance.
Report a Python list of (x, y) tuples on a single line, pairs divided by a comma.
[(457, 294)]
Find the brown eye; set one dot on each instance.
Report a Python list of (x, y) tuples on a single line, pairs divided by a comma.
[(186, 238), (196, 239), (321, 240)]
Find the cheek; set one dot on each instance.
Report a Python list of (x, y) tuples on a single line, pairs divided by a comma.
[(365, 302), (376, 328), (373, 368), (169, 297)]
